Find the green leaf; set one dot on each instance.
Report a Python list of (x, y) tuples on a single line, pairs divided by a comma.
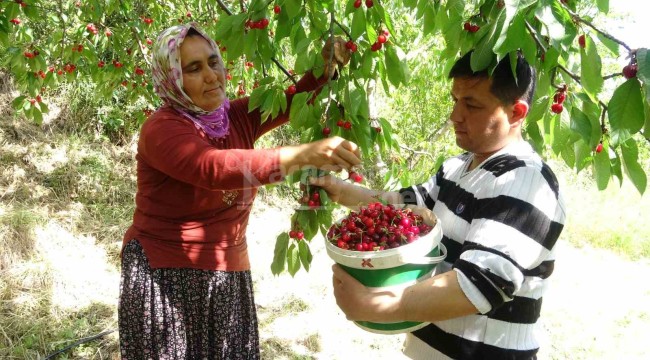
[(582, 153), (366, 64), (394, 68), (591, 68), (257, 97), (18, 102), (292, 7), (359, 103), (305, 254), (613, 46), (299, 112), (602, 169), (483, 56), (540, 108), (603, 6), (632, 167), (626, 111), (580, 124), (293, 260), (280, 254), (429, 21), (643, 63), (358, 24), (38, 116)]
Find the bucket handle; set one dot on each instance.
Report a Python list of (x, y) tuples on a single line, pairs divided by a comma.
[(427, 260)]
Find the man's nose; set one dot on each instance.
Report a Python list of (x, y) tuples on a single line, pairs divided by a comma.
[(455, 115)]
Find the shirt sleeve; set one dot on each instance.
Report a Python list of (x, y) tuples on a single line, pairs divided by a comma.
[(422, 194), (174, 147)]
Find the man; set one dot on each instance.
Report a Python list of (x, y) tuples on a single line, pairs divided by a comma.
[(501, 214)]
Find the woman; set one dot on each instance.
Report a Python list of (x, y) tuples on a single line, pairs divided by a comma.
[(186, 289)]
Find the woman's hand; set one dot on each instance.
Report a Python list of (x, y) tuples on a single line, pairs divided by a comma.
[(340, 57), (333, 154)]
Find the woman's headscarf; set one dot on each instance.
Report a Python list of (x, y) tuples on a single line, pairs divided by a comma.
[(168, 81)]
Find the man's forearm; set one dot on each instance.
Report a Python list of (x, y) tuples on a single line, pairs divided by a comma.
[(354, 195), (436, 299)]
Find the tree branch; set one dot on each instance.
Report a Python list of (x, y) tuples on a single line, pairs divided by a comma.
[(417, 152), (577, 18), (224, 7)]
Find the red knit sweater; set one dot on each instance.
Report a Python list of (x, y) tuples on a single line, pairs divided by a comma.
[(194, 195)]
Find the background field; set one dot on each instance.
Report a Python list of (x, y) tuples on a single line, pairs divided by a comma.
[(67, 198)]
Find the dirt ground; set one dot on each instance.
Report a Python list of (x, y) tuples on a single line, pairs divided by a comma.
[(598, 305)]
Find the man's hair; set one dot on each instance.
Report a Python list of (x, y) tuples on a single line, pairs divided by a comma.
[(504, 86)]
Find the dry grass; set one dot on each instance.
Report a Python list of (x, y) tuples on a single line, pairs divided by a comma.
[(66, 199)]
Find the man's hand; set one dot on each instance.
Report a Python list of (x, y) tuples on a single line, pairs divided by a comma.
[(332, 185), (361, 303)]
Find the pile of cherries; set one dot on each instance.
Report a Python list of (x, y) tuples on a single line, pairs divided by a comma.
[(378, 227)]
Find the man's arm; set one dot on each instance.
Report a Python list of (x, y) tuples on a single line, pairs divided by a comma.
[(436, 299), (351, 195)]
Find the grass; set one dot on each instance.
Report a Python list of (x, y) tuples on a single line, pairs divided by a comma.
[(612, 219), (65, 195)]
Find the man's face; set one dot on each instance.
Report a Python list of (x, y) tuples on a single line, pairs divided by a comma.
[(204, 77), (480, 119)]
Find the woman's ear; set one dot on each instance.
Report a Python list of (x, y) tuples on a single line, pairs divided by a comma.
[(519, 111)]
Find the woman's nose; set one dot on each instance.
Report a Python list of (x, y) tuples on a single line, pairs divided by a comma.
[(210, 75)]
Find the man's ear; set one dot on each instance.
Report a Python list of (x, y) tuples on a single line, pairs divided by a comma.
[(519, 111)]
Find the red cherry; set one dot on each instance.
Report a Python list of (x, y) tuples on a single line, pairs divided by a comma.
[(139, 71), (629, 71), (300, 235), (228, 77), (15, 21), (559, 97), (340, 123), (376, 46), (357, 4), (347, 125), (474, 28), (378, 129), (264, 23), (101, 64), (276, 9), (557, 108), (356, 177), (189, 14), (581, 41), (369, 3), (292, 234), (327, 131), (467, 26), (381, 39), (599, 148), (291, 89)]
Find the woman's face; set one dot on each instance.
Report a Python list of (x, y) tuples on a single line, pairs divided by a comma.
[(204, 76)]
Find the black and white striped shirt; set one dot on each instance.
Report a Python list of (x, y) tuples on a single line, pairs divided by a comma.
[(500, 224)]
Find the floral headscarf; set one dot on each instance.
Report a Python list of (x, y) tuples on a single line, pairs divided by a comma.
[(168, 81)]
